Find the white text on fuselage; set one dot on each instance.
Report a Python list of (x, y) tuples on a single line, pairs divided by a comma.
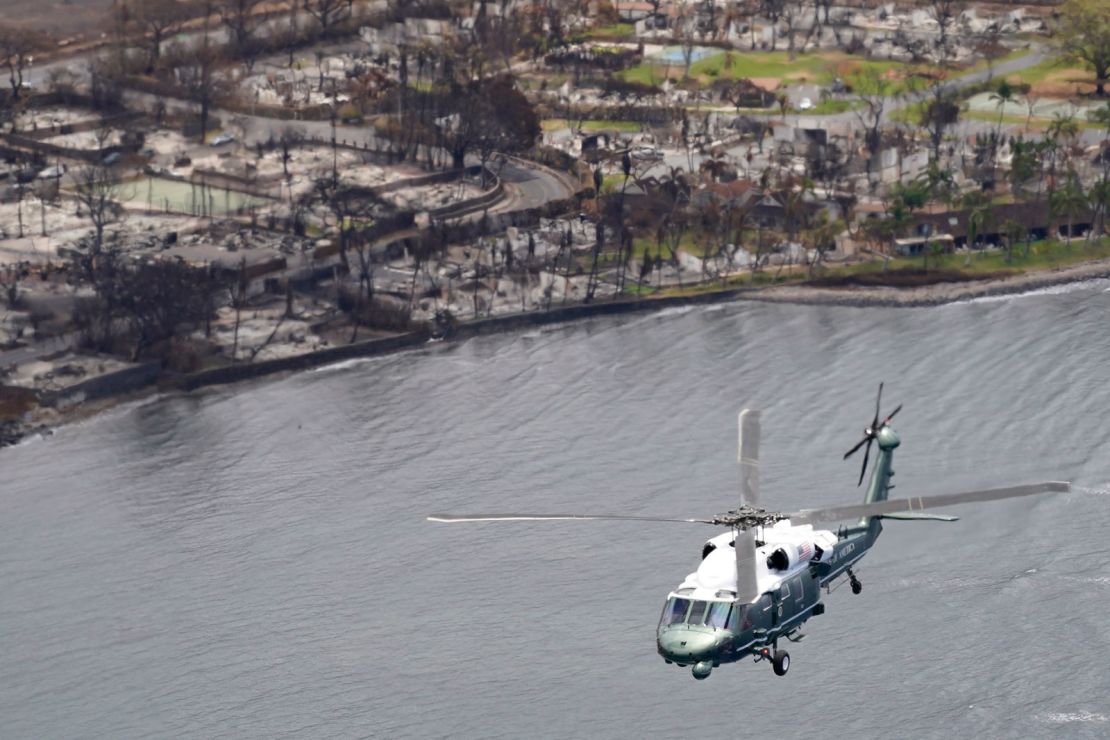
[(848, 550)]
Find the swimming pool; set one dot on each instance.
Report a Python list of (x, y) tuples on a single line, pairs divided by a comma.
[(674, 55), (182, 196)]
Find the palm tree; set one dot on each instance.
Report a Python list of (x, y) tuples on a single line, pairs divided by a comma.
[(978, 207), (1004, 94), (1013, 231), (1068, 201), (1099, 199), (1101, 115)]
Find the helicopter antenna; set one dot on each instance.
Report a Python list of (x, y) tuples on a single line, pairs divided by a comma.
[(870, 433)]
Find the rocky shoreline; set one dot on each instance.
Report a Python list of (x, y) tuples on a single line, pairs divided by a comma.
[(938, 294), (14, 431)]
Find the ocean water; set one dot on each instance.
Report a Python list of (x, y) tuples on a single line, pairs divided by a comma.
[(254, 561)]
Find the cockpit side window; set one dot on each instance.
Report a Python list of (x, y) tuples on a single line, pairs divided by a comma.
[(718, 614), (737, 618), (675, 611)]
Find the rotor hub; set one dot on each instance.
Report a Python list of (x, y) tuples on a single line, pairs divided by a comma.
[(887, 438), (748, 517)]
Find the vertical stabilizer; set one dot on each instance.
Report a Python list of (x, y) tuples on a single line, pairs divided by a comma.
[(878, 489)]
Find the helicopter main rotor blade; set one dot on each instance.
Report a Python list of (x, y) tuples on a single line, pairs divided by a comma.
[(918, 503), (455, 518), (747, 455), (747, 580)]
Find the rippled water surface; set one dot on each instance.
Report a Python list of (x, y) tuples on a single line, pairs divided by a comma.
[(253, 562)]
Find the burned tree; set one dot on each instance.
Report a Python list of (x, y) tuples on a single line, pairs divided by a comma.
[(157, 20), (17, 50), (328, 13), (486, 116), (203, 83), (238, 16), (97, 193)]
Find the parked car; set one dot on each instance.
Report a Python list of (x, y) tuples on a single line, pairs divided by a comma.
[(54, 172), (646, 153), (111, 158), (221, 140), (805, 104)]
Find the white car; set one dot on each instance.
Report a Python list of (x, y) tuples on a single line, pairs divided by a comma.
[(54, 172), (221, 140), (646, 153), (805, 104)]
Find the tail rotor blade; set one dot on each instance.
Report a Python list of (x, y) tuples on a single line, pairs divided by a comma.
[(891, 415), (852, 451), (878, 402), (866, 454)]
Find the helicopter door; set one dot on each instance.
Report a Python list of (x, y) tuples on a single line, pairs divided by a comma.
[(799, 594)]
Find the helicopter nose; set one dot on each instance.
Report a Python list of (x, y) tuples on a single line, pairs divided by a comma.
[(685, 646)]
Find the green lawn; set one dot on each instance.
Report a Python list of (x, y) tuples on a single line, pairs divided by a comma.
[(831, 107), (910, 114), (615, 31), (1040, 255), (554, 124), (1035, 123), (613, 183), (1041, 70), (819, 68), (690, 243)]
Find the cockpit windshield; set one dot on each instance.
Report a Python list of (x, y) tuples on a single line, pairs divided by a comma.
[(675, 611), (716, 614)]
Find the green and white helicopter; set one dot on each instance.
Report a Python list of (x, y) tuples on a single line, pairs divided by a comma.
[(763, 579)]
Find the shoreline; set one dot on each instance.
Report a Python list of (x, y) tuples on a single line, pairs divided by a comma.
[(43, 420), (939, 294)]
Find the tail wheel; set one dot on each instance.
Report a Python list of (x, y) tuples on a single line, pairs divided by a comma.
[(781, 662)]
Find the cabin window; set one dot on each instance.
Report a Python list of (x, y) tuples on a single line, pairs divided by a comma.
[(675, 611), (697, 612), (717, 616)]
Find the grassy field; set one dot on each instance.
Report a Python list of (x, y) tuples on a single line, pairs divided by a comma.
[(58, 18), (831, 107), (1055, 77), (815, 68), (909, 272), (554, 124), (1035, 124), (615, 31)]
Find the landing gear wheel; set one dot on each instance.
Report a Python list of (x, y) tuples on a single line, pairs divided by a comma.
[(781, 662), (856, 586)]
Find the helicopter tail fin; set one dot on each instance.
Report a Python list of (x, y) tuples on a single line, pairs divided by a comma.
[(878, 489)]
